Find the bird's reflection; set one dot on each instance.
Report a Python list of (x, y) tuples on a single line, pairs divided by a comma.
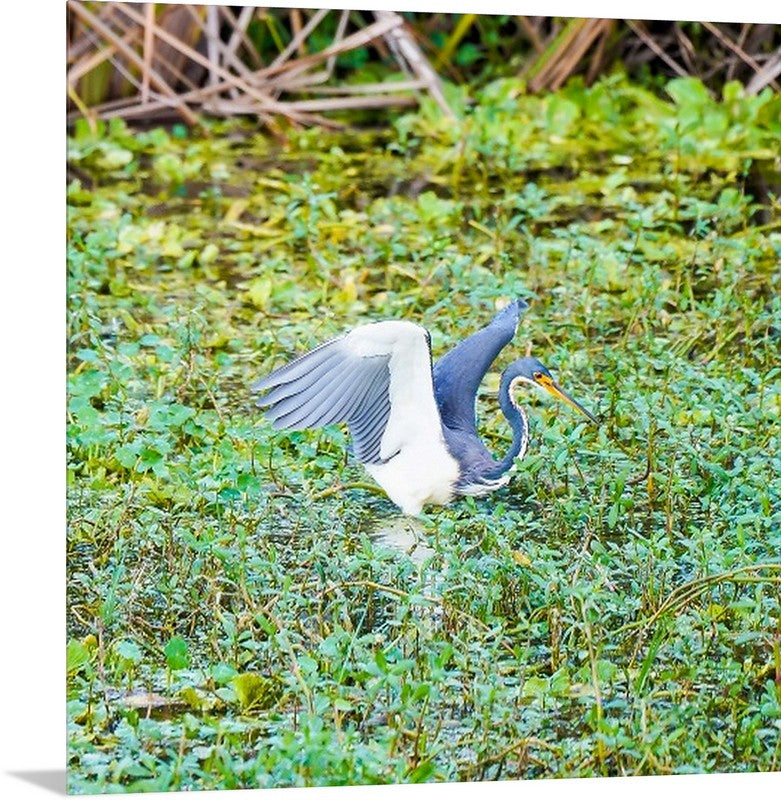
[(403, 534)]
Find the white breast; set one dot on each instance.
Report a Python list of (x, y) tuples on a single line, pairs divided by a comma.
[(416, 476)]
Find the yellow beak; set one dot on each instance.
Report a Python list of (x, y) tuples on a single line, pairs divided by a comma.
[(551, 386)]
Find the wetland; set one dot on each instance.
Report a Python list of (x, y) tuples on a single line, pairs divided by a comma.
[(245, 609)]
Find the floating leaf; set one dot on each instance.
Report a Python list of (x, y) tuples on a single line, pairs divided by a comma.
[(128, 650), (176, 653), (256, 692), (77, 655)]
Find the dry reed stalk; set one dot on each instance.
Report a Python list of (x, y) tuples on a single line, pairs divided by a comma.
[(324, 103), (102, 29), (213, 45), (149, 40), (349, 102), (363, 88), (171, 64), (569, 60), (531, 29), (540, 66), (291, 82), (157, 59), (351, 42), (81, 42), (744, 29), (648, 40), (217, 52), (561, 58), (228, 77), (686, 49), (408, 51), (770, 70), (739, 52), (296, 43), (341, 27), (239, 33), (595, 67), (92, 60), (296, 25), (131, 108)]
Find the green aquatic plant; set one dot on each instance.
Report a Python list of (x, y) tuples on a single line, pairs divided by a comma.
[(236, 617)]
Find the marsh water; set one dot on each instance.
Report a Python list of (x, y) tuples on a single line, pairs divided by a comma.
[(614, 610)]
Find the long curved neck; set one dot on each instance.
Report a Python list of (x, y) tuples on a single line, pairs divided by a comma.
[(517, 419)]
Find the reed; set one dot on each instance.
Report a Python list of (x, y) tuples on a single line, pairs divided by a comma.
[(153, 60)]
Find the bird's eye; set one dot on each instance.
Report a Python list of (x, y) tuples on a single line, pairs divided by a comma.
[(537, 376)]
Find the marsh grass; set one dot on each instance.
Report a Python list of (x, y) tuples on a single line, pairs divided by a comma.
[(233, 619)]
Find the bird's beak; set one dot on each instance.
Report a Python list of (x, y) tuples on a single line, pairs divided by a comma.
[(551, 386)]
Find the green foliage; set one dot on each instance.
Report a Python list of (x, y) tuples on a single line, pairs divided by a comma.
[(255, 692), (77, 657), (614, 610), (176, 653)]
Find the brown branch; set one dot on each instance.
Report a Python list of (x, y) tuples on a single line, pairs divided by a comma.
[(652, 45), (771, 69), (102, 29), (739, 51), (149, 21)]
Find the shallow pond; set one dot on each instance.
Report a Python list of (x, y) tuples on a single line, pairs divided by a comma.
[(614, 610)]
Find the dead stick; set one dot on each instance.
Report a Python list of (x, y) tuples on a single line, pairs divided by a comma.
[(149, 12), (770, 70), (355, 40), (99, 56), (650, 43), (99, 27), (229, 78), (399, 39), (738, 51), (239, 34)]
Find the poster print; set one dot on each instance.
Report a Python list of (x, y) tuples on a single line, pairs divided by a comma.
[(579, 574)]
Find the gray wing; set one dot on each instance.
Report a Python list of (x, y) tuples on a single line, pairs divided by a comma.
[(328, 385)]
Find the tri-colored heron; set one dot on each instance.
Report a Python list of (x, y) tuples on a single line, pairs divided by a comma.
[(413, 427)]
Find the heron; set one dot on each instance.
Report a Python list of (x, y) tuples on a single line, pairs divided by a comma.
[(413, 424)]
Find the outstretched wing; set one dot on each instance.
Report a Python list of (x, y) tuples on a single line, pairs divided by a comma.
[(377, 378), (458, 373)]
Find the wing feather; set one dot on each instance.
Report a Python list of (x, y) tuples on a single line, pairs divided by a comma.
[(300, 367), (457, 375), (377, 379), (282, 391), (312, 400)]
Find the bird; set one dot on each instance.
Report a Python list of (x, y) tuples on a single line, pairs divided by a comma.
[(413, 423)]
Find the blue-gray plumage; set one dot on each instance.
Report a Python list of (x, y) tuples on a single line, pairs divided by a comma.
[(413, 427)]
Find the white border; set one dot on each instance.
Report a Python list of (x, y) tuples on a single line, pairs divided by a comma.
[(32, 289)]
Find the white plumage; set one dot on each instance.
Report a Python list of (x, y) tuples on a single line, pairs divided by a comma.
[(393, 360)]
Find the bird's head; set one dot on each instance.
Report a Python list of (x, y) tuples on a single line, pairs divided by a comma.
[(530, 370)]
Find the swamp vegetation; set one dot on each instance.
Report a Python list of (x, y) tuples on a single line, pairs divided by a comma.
[(239, 611)]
